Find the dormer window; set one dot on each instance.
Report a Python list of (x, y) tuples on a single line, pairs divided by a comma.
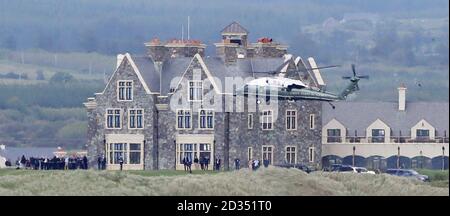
[(378, 135), (125, 90), (422, 134), (333, 135)]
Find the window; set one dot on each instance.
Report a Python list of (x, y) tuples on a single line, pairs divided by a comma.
[(130, 153), (113, 119), (250, 121), (291, 153), (291, 120), (378, 135), (333, 135), (183, 119), (195, 90), (125, 90), (311, 154), (267, 120), (312, 121), (422, 134), (135, 153), (267, 153), (206, 119), (117, 152), (250, 153), (135, 120)]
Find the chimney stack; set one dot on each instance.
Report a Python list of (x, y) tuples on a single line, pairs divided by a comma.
[(402, 97)]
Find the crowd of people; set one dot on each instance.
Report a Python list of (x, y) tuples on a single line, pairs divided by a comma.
[(255, 164), (203, 163), (78, 162), (55, 163)]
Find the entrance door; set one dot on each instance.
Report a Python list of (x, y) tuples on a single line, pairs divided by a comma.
[(192, 147)]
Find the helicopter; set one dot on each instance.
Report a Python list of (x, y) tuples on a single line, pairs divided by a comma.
[(293, 89)]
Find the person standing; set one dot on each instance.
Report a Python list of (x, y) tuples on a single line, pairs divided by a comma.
[(189, 164), (85, 162), (121, 163), (206, 163), (237, 163), (99, 162), (66, 163), (256, 164), (266, 163), (217, 163), (196, 162), (185, 163), (202, 163), (103, 162)]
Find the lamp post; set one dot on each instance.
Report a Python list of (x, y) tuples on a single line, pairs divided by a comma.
[(398, 157), (353, 158), (421, 159), (443, 158)]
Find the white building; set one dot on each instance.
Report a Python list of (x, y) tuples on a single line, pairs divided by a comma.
[(381, 135)]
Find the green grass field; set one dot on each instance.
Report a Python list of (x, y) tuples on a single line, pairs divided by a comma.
[(264, 182)]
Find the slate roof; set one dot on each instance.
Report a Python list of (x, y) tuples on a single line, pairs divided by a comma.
[(159, 78), (149, 71), (359, 115), (12, 153), (234, 27)]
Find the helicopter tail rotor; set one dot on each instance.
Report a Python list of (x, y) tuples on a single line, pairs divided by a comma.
[(355, 76)]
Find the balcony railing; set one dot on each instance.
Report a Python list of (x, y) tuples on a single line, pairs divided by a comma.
[(381, 139)]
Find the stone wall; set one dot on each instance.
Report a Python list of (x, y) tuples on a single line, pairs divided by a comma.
[(241, 137)]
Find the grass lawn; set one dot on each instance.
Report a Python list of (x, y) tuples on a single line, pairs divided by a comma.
[(264, 182), (438, 178)]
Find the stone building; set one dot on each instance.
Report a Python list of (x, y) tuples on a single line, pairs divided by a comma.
[(175, 103)]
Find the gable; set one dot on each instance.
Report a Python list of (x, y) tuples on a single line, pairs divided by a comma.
[(378, 124), (127, 67), (196, 70), (334, 124), (422, 124)]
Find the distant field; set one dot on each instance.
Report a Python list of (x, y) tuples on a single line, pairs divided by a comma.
[(266, 182)]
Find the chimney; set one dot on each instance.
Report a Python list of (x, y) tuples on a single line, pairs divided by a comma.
[(119, 59), (402, 97), (174, 48)]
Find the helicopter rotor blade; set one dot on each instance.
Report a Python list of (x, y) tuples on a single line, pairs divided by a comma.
[(307, 69), (363, 77), (354, 70), (323, 67), (346, 77)]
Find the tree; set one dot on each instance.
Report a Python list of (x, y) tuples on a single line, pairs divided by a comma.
[(40, 75), (62, 78)]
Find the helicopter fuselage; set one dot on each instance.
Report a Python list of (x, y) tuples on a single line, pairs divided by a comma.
[(285, 93)]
